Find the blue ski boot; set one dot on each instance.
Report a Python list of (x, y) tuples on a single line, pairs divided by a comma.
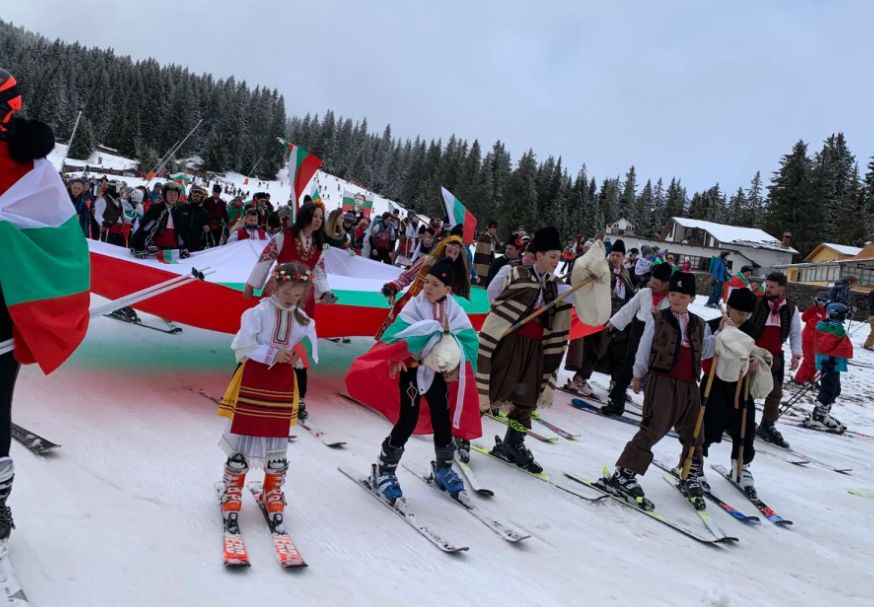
[(384, 480), (445, 476)]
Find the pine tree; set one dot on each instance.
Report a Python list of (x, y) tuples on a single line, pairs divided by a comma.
[(755, 202), (791, 206), (868, 197)]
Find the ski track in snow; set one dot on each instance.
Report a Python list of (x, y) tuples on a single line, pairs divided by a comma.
[(124, 513)]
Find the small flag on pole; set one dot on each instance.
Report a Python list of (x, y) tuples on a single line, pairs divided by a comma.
[(458, 213), (301, 167)]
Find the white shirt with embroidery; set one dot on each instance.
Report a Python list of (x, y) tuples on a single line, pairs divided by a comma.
[(269, 328)]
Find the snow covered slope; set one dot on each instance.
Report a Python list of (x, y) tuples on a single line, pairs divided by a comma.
[(124, 513)]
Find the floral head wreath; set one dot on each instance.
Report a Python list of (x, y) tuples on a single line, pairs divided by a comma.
[(283, 276)]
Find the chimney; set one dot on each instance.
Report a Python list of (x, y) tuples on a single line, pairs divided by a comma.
[(787, 239)]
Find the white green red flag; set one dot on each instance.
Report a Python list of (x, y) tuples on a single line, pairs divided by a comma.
[(45, 274), (302, 165), (458, 214)]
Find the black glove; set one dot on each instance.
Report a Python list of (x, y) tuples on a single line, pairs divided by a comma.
[(184, 254)]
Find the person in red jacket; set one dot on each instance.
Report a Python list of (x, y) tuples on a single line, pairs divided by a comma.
[(811, 316)]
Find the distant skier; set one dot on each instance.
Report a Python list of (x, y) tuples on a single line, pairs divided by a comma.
[(833, 350)]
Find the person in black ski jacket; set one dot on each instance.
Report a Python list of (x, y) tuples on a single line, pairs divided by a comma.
[(840, 291), (161, 227), (195, 225)]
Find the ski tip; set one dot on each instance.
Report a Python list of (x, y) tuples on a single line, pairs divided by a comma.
[(485, 492)]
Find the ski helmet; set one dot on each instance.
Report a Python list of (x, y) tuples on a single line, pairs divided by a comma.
[(837, 311), (822, 297), (10, 97)]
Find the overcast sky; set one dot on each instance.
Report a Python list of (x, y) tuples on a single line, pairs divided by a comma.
[(708, 91)]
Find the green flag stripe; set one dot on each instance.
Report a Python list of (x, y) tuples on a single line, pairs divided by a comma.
[(51, 262)]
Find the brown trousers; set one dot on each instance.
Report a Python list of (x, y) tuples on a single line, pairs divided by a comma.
[(771, 409), (667, 403), (869, 342)]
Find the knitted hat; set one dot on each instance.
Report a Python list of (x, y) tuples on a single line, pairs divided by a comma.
[(443, 270), (546, 239), (618, 247), (742, 300), (662, 271), (682, 282)]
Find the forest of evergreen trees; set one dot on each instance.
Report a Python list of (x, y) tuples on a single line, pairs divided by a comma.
[(141, 109)]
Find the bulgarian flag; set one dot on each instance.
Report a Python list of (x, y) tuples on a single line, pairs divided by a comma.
[(458, 213), (301, 167), (45, 274)]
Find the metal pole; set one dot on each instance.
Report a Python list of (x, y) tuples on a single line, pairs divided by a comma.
[(174, 149), (255, 166), (72, 137)]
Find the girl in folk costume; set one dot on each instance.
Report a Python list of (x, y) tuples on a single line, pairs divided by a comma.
[(669, 356), (414, 277), (424, 361), (518, 370), (810, 317), (833, 350), (249, 230), (740, 365), (262, 399), (303, 243)]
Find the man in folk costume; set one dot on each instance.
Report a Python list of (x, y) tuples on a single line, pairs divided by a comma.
[(44, 280), (484, 254), (518, 370), (249, 230), (512, 256), (774, 320), (743, 279), (587, 352), (632, 318), (833, 349), (414, 278), (303, 242), (262, 399), (114, 215), (669, 358), (421, 376), (731, 400)]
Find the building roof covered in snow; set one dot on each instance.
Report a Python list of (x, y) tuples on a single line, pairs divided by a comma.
[(829, 251), (708, 233)]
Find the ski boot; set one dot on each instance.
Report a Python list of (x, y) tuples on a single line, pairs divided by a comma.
[(746, 481), (513, 449), (692, 488), (444, 476), (126, 314), (579, 386), (769, 433), (462, 447), (612, 409), (232, 497), (623, 484), (7, 474), (302, 414), (821, 419), (383, 478), (272, 498)]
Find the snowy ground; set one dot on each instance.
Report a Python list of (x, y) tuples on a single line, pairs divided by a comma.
[(124, 513)]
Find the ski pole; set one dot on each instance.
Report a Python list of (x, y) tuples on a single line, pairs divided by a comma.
[(743, 425), (687, 463), (158, 289), (796, 398)]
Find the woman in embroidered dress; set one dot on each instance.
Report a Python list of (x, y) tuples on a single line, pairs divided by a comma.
[(303, 242), (262, 398)]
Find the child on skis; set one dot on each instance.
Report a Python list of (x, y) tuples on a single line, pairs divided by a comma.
[(735, 355), (262, 398), (429, 353), (669, 359), (833, 350), (810, 317)]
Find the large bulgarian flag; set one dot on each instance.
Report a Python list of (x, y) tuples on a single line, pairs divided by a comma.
[(458, 213), (45, 274), (301, 167)]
